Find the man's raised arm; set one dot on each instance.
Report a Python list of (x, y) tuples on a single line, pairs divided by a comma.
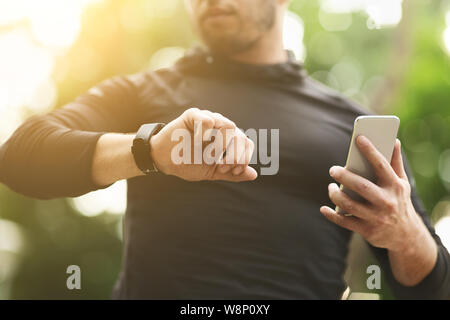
[(114, 161), (86, 145)]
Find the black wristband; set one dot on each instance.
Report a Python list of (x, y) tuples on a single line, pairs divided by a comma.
[(141, 147)]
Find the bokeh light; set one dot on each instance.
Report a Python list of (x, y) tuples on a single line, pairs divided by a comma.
[(326, 48), (444, 168), (110, 200), (13, 11), (166, 57), (349, 77), (446, 35), (384, 13), (443, 230), (27, 55), (24, 67), (56, 30), (381, 13), (293, 31), (334, 21), (11, 237), (12, 243)]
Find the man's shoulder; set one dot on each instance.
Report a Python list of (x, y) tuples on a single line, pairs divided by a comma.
[(333, 98), (159, 87), (157, 78), (133, 84)]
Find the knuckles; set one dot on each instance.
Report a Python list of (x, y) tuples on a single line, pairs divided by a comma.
[(365, 186), (402, 187), (390, 205), (191, 112), (339, 199), (208, 117), (381, 166), (348, 205)]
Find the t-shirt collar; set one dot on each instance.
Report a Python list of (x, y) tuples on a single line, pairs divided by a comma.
[(200, 61)]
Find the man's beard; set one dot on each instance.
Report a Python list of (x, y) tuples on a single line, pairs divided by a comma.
[(230, 45), (242, 40)]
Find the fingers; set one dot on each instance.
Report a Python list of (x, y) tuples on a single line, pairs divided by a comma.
[(205, 124), (224, 168), (233, 143), (365, 188), (350, 223), (397, 161), (239, 152), (380, 165), (248, 174), (201, 121), (245, 157), (194, 116), (219, 120), (230, 151), (343, 201)]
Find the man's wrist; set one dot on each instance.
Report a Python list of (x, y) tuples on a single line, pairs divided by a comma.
[(113, 159), (155, 154), (416, 258)]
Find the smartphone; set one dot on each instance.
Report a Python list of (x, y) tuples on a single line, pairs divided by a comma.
[(382, 132)]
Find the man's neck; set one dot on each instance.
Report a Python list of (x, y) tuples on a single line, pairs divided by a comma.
[(268, 50)]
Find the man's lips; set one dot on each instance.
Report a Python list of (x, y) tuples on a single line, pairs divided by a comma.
[(216, 13)]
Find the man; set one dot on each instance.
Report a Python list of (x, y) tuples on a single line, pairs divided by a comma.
[(268, 238)]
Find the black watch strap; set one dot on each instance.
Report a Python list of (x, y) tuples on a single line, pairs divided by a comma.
[(141, 148)]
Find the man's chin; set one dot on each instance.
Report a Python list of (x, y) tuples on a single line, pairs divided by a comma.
[(227, 46), (224, 48), (220, 21), (221, 34)]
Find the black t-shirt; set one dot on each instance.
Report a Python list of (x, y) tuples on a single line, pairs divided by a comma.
[(264, 239)]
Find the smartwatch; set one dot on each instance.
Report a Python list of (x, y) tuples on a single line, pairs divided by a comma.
[(141, 148)]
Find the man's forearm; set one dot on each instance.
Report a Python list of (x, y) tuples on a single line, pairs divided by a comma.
[(411, 265), (45, 159), (113, 159)]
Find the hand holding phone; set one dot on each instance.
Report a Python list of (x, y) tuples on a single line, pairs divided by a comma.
[(382, 132)]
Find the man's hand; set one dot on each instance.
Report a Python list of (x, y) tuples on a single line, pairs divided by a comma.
[(200, 124), (114, 161), (388, 218)]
